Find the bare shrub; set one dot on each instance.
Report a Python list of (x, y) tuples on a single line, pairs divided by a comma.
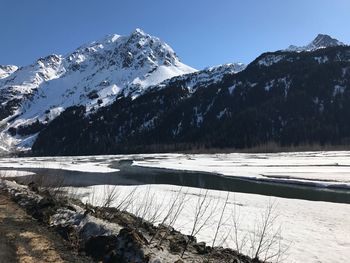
[(148, 209), (110, 195), (126, 202), (171, 214), (176, 207), (204, 211), (239, 239), (220, 223), (55, 186), (72, 192), (52, 184), (264, 241)]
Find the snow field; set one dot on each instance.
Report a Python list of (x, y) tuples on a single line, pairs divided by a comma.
[(312, 231)]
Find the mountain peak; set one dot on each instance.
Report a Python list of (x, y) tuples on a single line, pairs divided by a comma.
[(323, 36), (321, 41), (136, 50), (139, 31)]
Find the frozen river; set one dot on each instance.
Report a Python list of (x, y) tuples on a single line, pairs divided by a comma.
[(311, 190)]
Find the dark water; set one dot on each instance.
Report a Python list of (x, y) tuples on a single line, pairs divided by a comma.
[(134, 175)]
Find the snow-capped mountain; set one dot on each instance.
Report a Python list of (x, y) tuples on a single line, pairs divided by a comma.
[(289, 98), (93, 76), (125, 92), (321, 41)]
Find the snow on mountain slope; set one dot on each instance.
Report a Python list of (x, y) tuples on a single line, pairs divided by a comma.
[(7, 70), (93, 75), (321, 41), (203, 78), (26, 79)]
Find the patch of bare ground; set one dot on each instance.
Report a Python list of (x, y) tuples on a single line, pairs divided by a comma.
[(22, 239)]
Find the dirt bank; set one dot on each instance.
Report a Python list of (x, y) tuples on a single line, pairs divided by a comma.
[(22, 239)]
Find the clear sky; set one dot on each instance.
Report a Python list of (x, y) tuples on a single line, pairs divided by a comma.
[(202, 32)]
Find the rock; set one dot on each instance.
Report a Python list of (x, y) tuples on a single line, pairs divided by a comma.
[(46, 202), (45, 193), (67, 232), (191, 239), (175, 247), (133, 236), (33, 187), (92, 229), (130, 246), (102, 248), (201, 248), (149, 227), (167, 228)]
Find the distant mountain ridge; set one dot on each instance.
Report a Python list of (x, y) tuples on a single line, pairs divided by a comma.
[(132, 94), (289, 98), (321, 41)]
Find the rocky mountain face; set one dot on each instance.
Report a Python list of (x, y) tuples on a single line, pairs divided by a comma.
[(92, 76), (7, 70), (288, 97), (321, 41)]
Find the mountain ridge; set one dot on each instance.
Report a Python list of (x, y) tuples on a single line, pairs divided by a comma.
[(139, 82), (301, 98), (7, 70), (321, 41)]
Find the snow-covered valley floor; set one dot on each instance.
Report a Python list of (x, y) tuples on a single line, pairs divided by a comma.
[(313, 231)]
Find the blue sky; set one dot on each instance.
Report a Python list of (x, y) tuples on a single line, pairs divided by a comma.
[(202, 32)]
